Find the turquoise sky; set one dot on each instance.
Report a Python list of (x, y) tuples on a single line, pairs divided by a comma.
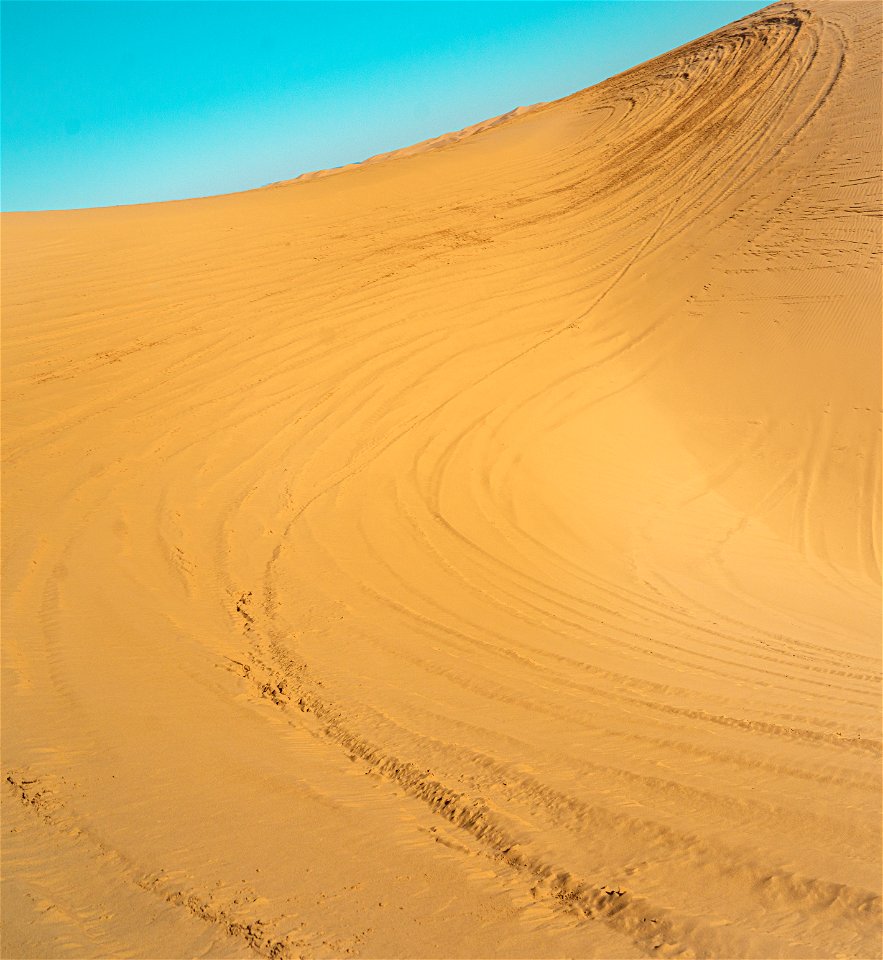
[(124, 101)]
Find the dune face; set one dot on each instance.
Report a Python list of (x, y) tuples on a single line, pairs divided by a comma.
[(471, 553)]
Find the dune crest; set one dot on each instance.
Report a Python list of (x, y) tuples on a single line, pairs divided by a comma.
[(433, 143), (474, 553)]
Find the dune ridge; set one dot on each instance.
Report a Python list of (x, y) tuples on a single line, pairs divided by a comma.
[(473, 553), (433, 143)]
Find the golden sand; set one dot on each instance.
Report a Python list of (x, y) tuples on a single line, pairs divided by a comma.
[(470, 553)]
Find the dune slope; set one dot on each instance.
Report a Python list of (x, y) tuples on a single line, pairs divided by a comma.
[(471, 553)]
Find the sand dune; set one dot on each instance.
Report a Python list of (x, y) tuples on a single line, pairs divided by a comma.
[(473, 553)]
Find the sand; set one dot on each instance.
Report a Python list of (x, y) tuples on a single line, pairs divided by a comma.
[(471, 553)]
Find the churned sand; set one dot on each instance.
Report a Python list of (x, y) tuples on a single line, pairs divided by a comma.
[(470, 553)]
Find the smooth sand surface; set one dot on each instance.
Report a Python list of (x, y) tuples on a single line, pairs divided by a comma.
[(472, 553)]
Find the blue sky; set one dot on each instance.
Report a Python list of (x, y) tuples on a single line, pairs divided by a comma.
[(126, 101)]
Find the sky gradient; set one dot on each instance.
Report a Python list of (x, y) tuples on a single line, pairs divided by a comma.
[(125, 102)]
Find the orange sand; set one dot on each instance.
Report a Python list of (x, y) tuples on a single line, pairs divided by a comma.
[(470, 553)]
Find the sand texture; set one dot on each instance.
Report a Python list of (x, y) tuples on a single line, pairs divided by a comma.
[(471, 553)]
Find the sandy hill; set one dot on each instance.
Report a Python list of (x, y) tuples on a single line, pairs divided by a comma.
[(472, 553)]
